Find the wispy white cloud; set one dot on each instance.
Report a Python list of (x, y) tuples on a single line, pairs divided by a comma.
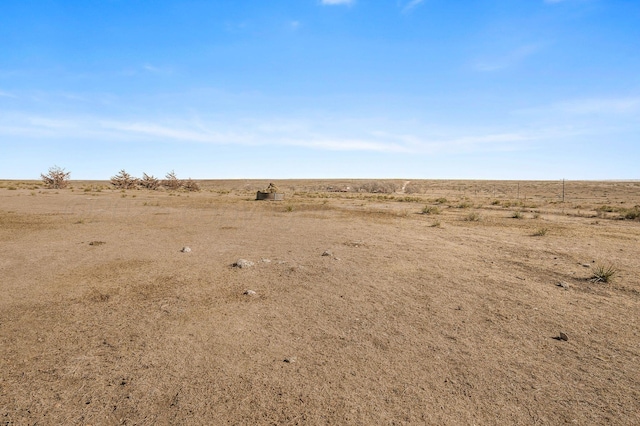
[(6, 95), (506, 61), (342, 135), (411, 5), (336, 2)]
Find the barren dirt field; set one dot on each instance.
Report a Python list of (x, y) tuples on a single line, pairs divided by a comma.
[(442, 302)]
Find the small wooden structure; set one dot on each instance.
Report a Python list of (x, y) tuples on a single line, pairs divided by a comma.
[(271, 193)]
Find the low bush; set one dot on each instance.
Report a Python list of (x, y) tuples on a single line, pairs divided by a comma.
[(56, 178)]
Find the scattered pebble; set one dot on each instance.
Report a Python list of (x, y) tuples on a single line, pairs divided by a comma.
[(563, 285), (186, 249), (243, 263), (290, 360), (327, 253), (586, 265), (97, 243), (563, 336), (265, 260), (249, 293)]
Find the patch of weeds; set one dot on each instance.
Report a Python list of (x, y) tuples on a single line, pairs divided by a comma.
[(464, 205), (606, 208), (12, 188), (441, 200), (124, 195), (409, 199), (288, 208), (33, 193), (633, 214), (473, 217), (603, 274), (436, 224), (517, 215), (495, 203), (541, 232), (430, 210), (536, 215)]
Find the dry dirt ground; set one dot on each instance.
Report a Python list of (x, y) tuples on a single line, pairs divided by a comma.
[(449, 317)]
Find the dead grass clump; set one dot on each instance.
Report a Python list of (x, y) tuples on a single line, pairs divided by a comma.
[(517, 215), (431, 210), (56, 178), (124, 180), (473, 217), (464, 205), (603, 274), (540, 232), (632, 214)]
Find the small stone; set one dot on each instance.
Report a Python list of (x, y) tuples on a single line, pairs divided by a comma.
[(243, 263), (327, 253), (186, 249), (265, 260), (290, 360), (249, 293), (563, 336), (563, 285), (586, 265)]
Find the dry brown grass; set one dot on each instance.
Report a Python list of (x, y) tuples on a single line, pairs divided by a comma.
[(407, 322)]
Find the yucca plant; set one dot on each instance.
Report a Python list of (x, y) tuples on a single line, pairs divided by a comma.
[(603, 274)]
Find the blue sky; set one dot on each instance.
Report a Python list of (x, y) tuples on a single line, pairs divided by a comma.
[(478, 89)]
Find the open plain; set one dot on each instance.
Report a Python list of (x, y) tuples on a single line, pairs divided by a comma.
[(427, 302)]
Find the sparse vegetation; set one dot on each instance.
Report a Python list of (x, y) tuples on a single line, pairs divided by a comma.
[(517, 215), (632, 214), (430, 210), (378, 187), (473, 217), (56, 178), (603, 274), (540, 232)]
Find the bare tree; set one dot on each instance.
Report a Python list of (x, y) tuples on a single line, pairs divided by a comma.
[(56, 178)]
